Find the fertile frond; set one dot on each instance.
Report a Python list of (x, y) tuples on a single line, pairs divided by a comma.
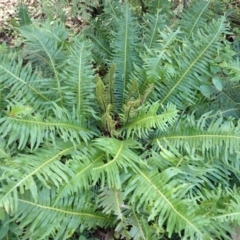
[(148, 119), (105, 89)]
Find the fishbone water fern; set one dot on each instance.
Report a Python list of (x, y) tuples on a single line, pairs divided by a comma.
[(129, 128)]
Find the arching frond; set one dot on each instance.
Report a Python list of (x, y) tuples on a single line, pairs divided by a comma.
[(47, 49), (149, 118), (41, 219), (218, 138), (82, 166), (157, 61), (44, 165), (118, 155), (23, 84), (194, 17), (181, 89), (34, 130), (164, 197)]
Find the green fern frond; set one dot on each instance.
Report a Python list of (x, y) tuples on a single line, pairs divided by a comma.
[(111, 200), (46, 46), (195, 17), (79, 86), (74, 212), (23, 84), (34, 129), (101, 38), (44, 164), (82, 165), (201, 171), (232, 201), (233, 68), (164, 198), (4, 151), (153, 24), (119, 154), (149, 118), (217, 137), (153, 6), (195, 60), (159, 59), (124, 53), (23, 14)]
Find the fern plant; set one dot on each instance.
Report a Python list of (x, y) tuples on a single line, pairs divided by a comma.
[(129, 128)]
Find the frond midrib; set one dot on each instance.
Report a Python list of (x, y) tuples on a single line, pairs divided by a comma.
[(192, 64), (38, 168), (169, 203)]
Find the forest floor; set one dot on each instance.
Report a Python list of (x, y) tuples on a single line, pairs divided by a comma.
[(9, 20)]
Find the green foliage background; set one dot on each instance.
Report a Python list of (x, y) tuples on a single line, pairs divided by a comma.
[(129, 128)]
